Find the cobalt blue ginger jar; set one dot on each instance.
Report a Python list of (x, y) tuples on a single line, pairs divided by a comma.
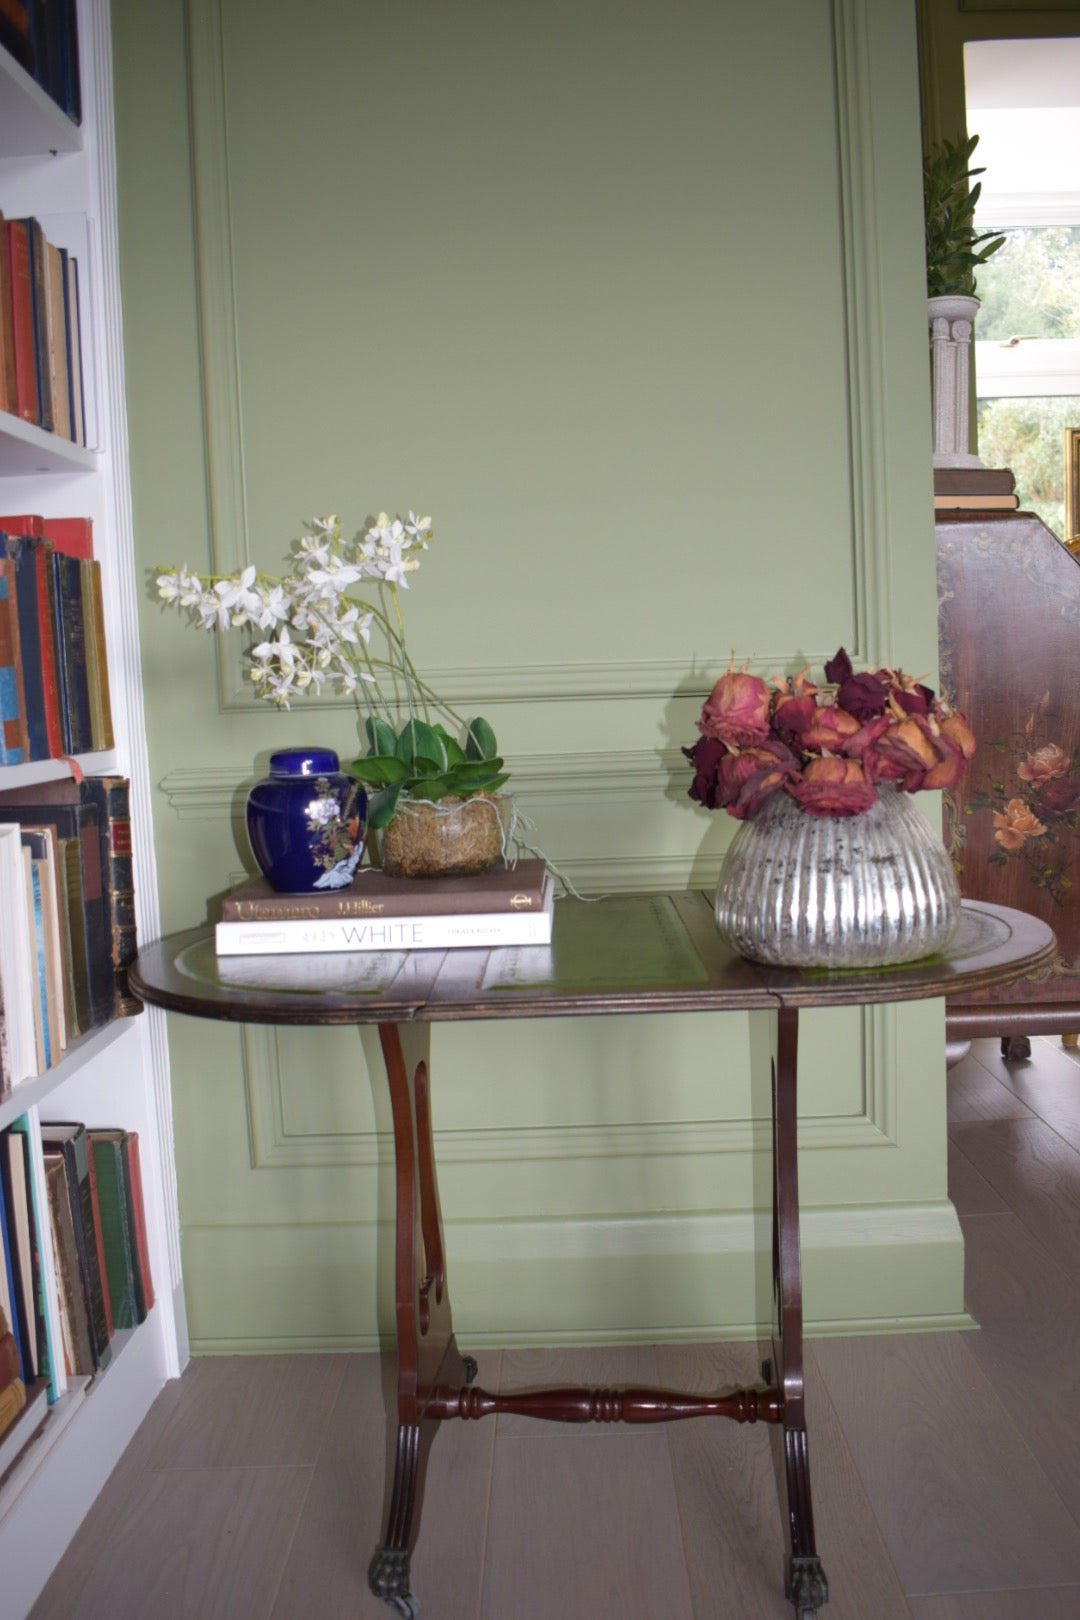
[(306, 822)]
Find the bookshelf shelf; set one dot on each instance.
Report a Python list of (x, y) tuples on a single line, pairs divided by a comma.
[(26, 450), (31, 124), (116, 1077), (86, 1049)]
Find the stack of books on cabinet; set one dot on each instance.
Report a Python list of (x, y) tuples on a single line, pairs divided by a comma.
[(507, 906), (89, 1275)]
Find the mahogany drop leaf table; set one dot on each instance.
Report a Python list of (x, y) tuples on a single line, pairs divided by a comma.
[(648, 953)]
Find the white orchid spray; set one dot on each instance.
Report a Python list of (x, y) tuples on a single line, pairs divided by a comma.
[(335, 618)]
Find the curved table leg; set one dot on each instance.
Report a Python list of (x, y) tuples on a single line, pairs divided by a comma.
[(426, 1352), (806, 1584)]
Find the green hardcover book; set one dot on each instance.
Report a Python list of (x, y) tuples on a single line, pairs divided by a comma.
[(113, 1201)]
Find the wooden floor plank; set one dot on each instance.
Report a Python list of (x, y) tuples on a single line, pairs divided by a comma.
[(197, 1544), (107, 1513), (342, 1521), (1038, 1603), (934, 1446), (728, 1484), (1038, 1175), (584, 1530), (250, 1411), (1029, 1348), (970, 1192), (1049, 1085), (973, 1091)]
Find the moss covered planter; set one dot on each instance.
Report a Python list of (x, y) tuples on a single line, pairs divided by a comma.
[(449, 838)]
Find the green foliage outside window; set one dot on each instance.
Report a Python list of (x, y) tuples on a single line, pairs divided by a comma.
[(1028, 436), (1031, 288)]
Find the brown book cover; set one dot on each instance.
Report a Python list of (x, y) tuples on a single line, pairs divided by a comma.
[(39, 285), (22, 319), (56, 339), (68, 1143), (97, 662), (12, 1401), (973, 481), (144, 1283), (74, 1308), (28, 1422), (373, 893)]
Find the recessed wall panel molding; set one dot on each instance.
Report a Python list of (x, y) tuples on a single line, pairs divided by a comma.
[(860, 509), (280, 1139)]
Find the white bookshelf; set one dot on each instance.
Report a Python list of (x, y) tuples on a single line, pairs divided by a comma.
[(118, 1075)]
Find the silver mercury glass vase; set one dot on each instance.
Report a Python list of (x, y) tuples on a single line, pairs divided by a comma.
[(862, 891)]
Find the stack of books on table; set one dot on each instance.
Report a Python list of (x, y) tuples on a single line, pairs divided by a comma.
[(979, 489), (506, 906)]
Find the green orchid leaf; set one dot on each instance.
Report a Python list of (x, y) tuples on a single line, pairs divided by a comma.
[(379, 770), (480, 742), (380, 735), (418, 739), (474, 772), (424, 769), (381, 807)]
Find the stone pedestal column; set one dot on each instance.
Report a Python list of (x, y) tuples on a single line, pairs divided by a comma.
[(951, 324)]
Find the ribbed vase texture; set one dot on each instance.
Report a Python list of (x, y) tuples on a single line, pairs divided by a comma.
[(797, 890)]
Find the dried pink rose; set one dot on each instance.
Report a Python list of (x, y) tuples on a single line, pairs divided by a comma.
[(749, 777), (737, 711)]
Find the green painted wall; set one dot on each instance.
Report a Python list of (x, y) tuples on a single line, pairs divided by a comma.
[(630, 298)]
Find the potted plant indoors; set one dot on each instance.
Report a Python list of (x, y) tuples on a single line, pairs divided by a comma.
[(335, 619), (954, 251)]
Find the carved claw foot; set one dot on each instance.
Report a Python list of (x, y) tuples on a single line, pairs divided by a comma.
[(388, 1578), (1014, 1048), (807, 1587)]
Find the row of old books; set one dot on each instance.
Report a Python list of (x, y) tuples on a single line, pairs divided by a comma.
[(41, 365), (43, 37), (67, 918), (509, 905), (74, 1264), (54, 665)]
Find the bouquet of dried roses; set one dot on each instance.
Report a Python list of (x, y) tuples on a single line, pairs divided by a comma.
[(829, 746)]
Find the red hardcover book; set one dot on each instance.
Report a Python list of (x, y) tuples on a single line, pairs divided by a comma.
[(7, 327), (74, 536), (138, 1210), (47, 626), (22, 318)]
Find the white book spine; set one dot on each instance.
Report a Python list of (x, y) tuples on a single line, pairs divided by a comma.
[(384, 934)]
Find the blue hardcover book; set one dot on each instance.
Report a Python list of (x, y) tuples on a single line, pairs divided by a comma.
[(24, 559), (14, 743), (71, 653), (11, 1286)]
